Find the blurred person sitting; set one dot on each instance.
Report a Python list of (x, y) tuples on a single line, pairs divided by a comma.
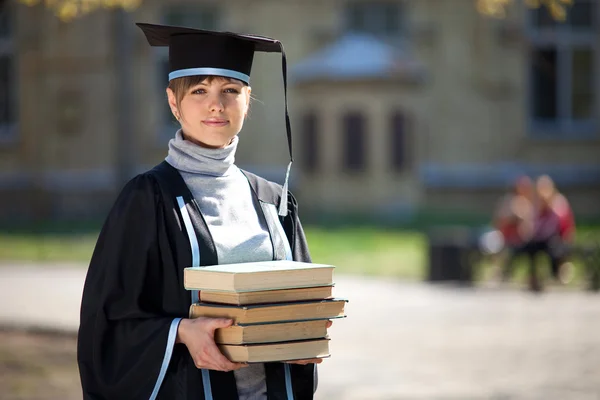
[(514, 220), (561, 207), (552, 231), (563, 237)]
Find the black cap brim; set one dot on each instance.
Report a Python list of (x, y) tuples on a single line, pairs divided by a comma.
[(159, 35)]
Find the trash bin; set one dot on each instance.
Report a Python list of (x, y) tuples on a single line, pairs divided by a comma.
[(451, 251), (592, 263)]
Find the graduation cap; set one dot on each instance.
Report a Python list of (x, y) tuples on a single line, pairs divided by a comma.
[(201, 52)]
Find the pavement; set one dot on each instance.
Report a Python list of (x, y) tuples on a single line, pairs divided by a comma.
[(401, 340), (41, 297)]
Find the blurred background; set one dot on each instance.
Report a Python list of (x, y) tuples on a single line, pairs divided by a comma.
[(421, 130)]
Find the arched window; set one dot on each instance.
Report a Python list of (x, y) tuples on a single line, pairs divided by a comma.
[(354, 142), (397, 136), (310, 155)]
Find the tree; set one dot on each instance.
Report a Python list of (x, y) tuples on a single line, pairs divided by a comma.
[(497, 8), (67, 10)]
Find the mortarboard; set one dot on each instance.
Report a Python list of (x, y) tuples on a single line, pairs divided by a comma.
[(201, 52)]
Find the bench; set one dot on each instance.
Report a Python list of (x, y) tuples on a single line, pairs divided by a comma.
[(457, 253)]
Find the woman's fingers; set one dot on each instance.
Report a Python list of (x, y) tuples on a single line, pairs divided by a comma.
[(215, 323), (199, 339), (221, 362), (306, 361)]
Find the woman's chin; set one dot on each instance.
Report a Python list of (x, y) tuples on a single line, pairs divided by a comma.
[(211, 144)]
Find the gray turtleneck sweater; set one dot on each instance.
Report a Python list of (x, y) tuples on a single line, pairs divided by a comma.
[(225, 200)]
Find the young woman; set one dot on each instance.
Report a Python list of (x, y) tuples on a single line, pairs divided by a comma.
[(195, 208)]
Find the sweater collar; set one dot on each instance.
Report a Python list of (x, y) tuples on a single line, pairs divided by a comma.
[(187, 156)]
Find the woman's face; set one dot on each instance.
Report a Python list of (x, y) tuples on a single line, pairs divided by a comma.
[(212, 112)]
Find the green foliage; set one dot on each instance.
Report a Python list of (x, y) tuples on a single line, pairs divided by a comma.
[(47, 247), (67, 10), (370, 251), (497, 8)]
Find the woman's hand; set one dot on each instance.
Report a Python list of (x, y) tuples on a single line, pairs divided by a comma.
[(198, 335), (310, 360)]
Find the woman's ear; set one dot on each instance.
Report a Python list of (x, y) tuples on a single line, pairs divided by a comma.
[(173, 103), (248, 97)]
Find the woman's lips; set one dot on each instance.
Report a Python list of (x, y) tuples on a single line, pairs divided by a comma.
[(215, 122)]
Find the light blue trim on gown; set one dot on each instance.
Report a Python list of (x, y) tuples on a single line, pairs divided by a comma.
[(167, 357), (194, 293)]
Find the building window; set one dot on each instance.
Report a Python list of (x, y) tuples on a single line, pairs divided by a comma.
[(354, 142), (397, 141), (563, 58), (8, 78), (200, 17), (381, 18), (310, 142)]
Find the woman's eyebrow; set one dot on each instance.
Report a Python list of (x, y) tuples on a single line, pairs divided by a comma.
[(231, 82)]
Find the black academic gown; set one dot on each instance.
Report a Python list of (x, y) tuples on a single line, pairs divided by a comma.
[(134, 290)]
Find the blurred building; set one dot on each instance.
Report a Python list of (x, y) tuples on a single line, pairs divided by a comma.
[(397, 106)]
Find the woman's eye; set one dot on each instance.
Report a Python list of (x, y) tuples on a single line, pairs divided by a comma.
[(199, 91), (231, 90)]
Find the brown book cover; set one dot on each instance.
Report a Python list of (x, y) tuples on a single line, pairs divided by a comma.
[(279, 312), (266, 296), (270, 352), (274, 332)]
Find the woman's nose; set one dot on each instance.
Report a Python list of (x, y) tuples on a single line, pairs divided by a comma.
[(216, 103)]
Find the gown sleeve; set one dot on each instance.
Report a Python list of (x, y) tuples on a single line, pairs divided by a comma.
[(126, 334)]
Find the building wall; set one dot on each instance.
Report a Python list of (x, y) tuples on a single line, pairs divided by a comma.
[(481, 201), (477, 89), (470, 111), (471, 120), (332, 186), (65, 86)]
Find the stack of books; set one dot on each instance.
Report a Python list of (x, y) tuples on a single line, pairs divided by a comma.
[(279, 309)]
